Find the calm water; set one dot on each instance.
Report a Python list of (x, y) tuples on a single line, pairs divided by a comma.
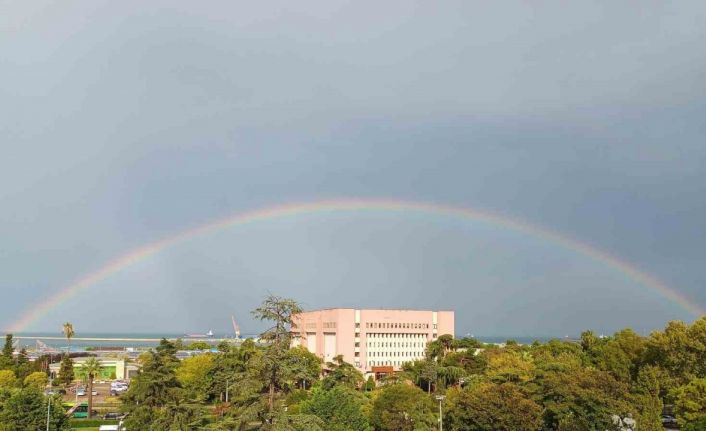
[(146, 340)]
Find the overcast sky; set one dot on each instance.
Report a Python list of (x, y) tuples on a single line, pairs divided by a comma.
[(125, 122)]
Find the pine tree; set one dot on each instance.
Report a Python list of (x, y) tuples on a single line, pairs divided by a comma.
[(66, 370), (6, 360)]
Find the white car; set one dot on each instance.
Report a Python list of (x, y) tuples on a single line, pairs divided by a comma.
[(81, 392)]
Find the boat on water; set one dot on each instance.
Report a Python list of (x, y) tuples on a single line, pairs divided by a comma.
[(209, 334)]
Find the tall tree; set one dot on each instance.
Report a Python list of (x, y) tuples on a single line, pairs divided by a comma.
[(280, 312), (7, 360), (155, 397), (68, 330), (90, 369), (66, 370)]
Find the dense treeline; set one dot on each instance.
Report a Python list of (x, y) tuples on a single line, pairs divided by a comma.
[(557, 385), (23, 405)]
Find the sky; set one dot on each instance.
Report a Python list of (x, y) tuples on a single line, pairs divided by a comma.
[(123, 123)]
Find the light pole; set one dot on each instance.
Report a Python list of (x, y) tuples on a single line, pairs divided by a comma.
[(440, 398), (48, 406), (48, 411)]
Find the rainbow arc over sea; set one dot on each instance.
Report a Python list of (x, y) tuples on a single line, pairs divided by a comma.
[(290, 210)]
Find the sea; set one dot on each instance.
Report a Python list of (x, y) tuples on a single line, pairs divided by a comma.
[(82, 341)]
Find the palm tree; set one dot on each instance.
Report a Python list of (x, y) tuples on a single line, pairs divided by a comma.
[(450, 375), (90, 369), (69, 334)]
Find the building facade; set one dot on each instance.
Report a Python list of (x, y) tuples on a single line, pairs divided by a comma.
[(371, 340), (111, 368)]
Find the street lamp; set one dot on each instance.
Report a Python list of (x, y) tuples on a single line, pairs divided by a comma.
[(440, 398)]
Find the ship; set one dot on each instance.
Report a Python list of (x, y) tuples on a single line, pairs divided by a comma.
[(209, 334)]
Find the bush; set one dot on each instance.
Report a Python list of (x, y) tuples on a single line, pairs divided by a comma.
[(695, 426)]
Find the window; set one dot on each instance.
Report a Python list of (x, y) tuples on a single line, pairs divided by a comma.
[(357, 325), (357, 354), (357, 344)]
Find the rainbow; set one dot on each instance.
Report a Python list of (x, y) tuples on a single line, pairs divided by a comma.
[(349, 205)]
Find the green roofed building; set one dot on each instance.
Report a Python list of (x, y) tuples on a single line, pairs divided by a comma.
[(111, 368)]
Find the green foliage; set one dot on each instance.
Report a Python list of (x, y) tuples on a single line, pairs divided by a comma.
[(199, 345), (646, 399), (340, 408), (582, 399), (89, 370), (273, 370), (166, 350), (26, 410), (7, 379), (195, 374), (6, 359), (402, 408), (156, 400), (37, 380), (22, 365), (690, 402), (341, 372), (303, 368), (489, 407), (66, 371), (155, 385), (370, 384), (509, 366), (553, 386), (695, 426), (680, 351), (298, 422)]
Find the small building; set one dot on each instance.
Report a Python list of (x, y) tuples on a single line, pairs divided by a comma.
[(111, 368)]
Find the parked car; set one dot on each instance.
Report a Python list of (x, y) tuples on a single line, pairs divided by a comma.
[(669, 421), (114, 415), (117, 388), (81, 392)]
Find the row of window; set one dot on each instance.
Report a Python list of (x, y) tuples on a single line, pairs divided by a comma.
[(396, 325), (381, 363), (388, 335), (392, 344), (395, 354)]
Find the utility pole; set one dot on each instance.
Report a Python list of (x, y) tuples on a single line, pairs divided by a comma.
[(48, 411), (49, 405), (440, 398)]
